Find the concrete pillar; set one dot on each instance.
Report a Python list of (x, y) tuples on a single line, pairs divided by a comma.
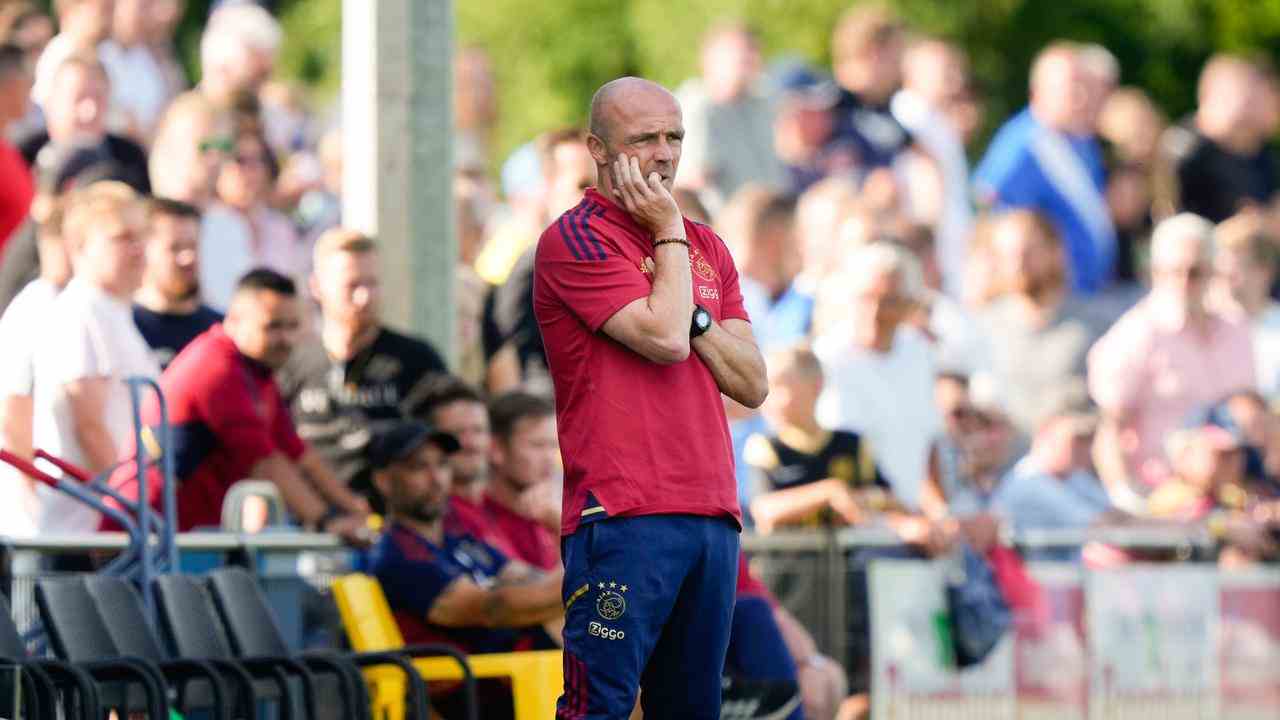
[(397, 123)]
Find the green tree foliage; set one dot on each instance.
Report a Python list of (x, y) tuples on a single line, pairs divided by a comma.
[(550, 55)]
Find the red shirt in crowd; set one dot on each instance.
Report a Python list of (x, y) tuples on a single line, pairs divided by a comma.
[(464, 517), (637, 437), (227, 414), (17, 189), (529, 539)]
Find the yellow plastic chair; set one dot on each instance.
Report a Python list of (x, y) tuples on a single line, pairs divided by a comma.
[(536, 677)]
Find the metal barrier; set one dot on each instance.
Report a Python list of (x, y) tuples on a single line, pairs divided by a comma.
[(809, 572)]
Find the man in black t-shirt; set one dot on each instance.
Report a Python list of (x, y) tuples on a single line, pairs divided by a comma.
[(167, 308), (359, 373), (866, 53), (1220, 159)]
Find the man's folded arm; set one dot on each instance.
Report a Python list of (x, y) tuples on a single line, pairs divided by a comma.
[(506, 605)]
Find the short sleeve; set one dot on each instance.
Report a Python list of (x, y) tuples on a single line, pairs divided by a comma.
[(230, 410), (69, 353), (1003, 176), (731, 302), (585, 273)]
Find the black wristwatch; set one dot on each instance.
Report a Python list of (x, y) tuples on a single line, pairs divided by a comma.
[(701, 321)]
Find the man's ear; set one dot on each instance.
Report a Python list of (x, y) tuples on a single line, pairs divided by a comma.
[(598, 149)]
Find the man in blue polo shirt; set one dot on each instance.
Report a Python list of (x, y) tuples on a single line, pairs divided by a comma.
[(1047, 158)]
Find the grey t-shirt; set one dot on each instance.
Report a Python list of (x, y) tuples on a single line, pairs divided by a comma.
[(1032, 364)]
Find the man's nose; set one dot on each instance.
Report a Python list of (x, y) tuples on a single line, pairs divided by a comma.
[(664, 153)]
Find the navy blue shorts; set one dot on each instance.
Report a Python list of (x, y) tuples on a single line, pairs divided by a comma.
[(649, 605)]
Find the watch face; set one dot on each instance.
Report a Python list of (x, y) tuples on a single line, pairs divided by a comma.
[(703, 319)]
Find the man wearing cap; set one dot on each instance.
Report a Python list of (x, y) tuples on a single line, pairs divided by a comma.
[(229, 422), (444, 586), (644, 328)]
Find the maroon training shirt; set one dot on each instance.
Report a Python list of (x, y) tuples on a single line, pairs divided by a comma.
[(227, 414), (640, 437)]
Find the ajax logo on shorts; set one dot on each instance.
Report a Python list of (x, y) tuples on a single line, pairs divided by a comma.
[(610, 602)]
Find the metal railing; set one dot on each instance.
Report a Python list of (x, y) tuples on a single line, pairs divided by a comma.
[(807, 570)]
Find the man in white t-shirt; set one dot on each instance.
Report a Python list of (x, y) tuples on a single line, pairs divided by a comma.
[(21, 322), (880, 373), (90, 345)]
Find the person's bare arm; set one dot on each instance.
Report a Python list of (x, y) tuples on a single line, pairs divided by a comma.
[(729, 350), (656, 326), (790, 505), (87, 400), (522, 597), (328, 485), (15, 431), (307, 505), (302, 500)]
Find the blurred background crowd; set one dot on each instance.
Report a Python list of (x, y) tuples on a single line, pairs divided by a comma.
[(1061, 316), (1067, 321)]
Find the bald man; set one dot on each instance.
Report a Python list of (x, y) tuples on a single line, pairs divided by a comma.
[(1046, 158), (644, 327)]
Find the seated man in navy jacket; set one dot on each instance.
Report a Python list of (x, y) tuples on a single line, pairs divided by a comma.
[(451, 588)]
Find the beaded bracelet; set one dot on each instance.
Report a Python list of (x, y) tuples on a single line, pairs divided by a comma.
[(672, 241)]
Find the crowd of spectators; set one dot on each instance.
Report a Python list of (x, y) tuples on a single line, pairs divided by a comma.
[(1074, 325)]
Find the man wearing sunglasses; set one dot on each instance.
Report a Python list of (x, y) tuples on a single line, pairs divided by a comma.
[(1163, 359)]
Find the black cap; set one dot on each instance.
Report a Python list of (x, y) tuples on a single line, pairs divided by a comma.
[(397, 440)]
